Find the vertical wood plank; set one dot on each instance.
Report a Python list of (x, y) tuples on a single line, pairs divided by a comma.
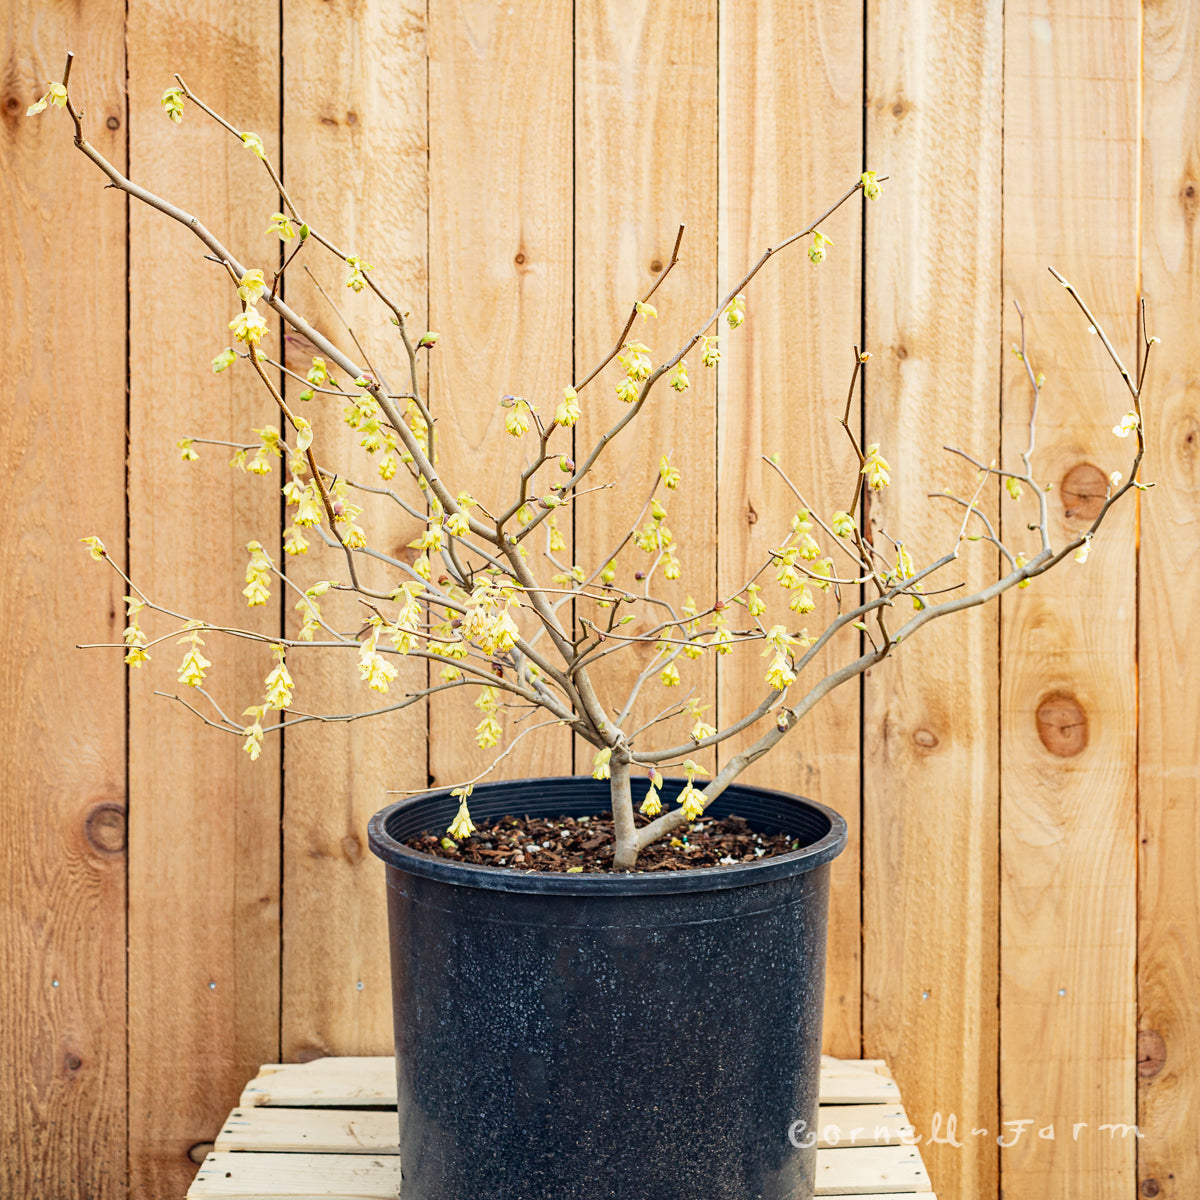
[(204, 819), (499, 290), (1068, 804), (1169, 571), (646, 162), (790, 142), (934, 96), (355, 160), (62, 822)]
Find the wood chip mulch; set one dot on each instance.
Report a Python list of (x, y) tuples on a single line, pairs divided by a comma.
[(585, 844)]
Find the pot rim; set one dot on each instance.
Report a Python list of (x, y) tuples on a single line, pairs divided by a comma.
[(696, 879)]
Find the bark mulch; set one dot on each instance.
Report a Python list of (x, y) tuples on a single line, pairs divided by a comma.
[(585, 844)]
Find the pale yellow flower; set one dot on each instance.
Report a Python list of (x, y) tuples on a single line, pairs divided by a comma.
[(251, 286), (462, 826), (191, 670), (843, 524), (279, 683), (1129, 422), (779, 674), (281, 226), (248, 327), (567, 412), (172, 102), (600, 764), (875, 468)]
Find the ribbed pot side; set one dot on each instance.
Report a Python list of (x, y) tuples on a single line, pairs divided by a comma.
[(642, 1036)]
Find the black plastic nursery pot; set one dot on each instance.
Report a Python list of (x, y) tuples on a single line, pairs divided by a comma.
[(626, 1036)]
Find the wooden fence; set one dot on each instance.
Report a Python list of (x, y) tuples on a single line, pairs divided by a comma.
[(1015, 921)]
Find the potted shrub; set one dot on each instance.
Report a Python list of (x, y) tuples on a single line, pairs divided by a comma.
[(607, 985)]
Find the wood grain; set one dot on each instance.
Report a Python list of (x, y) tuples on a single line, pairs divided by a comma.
[(934, 95), (499, 286), (841, 1173), (791, 142), (370, 1082), (575, 138), (355, 159), (204, 819), (1068, 825), (1169, 570), (62, 900), (645, 163), (358, 1131)]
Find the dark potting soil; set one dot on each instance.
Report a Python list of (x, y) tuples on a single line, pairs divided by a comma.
[(575, 844)]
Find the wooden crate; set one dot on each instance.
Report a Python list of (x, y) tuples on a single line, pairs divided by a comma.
[(327, 1129)]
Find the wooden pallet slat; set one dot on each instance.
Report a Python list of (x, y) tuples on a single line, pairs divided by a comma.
[(860, 1170), (297, 1177), (316, 1130), (371, 1082), (324, 1082), (861, 1125), (335, 1131)]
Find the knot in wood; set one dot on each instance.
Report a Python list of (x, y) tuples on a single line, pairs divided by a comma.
[(1083, 488), (1151, 1052), (1062, 725), (1188, 200), (104, 828)]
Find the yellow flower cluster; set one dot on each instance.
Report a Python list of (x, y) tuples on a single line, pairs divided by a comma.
[(357, 279), (518, 419), (248, 326), (488, 731), (253, 733), (568, 411), (258, 574), (279, 683), (875, 469), (600, 764), (487, 622), (194, 665), (691, 799), (373, 668), (135, 639), (172, 102), (816, 252), (57, 95), (462, 826)]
